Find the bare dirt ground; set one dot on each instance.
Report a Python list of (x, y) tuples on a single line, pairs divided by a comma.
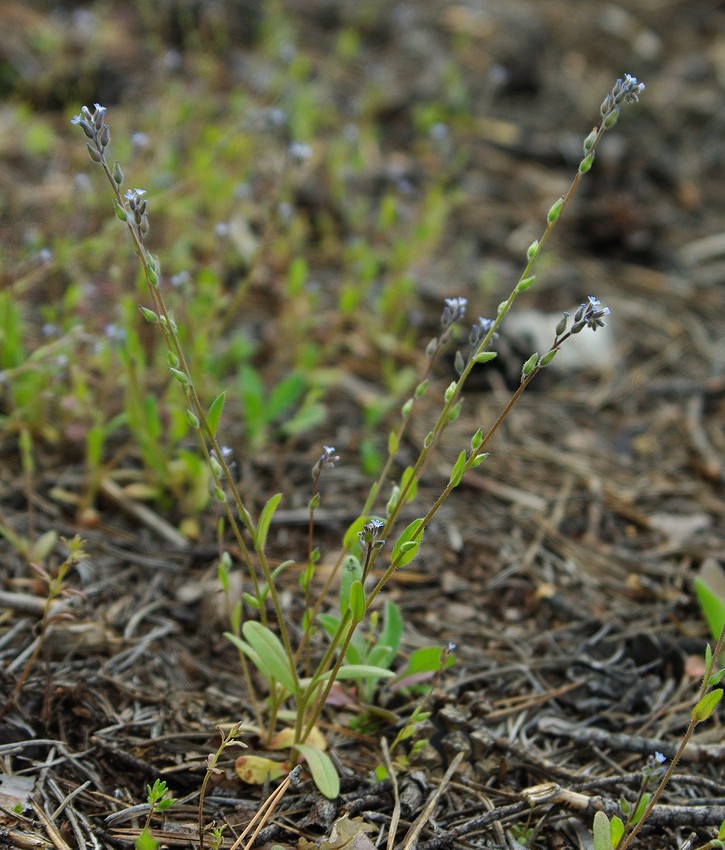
[(562, 568)]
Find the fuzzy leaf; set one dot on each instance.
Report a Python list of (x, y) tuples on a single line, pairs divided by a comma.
[(271, 654), (357, 601), (706, 705), (402, 557), (351, 571), (265, 518), (322, 769), (602, 832)]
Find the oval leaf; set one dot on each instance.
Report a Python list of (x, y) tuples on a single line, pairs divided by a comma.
[(706, 705), (602, 832), (351, 572), (322, 769), (254, 770), (400, 557)]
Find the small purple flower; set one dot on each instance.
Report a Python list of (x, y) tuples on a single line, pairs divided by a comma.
[(327, 460), (299, 153), (626, 90), (479, 331), (590, 315), (454, 310), (370, 534)]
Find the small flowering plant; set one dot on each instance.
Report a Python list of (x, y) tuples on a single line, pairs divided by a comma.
[(298, 675)]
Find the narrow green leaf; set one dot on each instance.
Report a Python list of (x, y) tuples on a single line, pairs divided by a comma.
[(381, 655), (427, 659), (393, 443), (407, 480), (329, 623), (351, 571), (265, 518), (322, 769), (458, 469), (357, 601), (616, 831), (271, 653), (641, 806), (215, 412), (392, 632), (485, 357), (712, 605), (602, 832), (244, 647), (350, 539), (358, 671)]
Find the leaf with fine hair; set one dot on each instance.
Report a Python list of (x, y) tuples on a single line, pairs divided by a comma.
[(602, 832), (271, 654), (322, 769), (265, 519), (402, 554)]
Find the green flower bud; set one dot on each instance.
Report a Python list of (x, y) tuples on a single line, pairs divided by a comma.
[(117, 173)]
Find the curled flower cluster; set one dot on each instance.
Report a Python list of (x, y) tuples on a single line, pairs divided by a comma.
[(327, 460), (370, 534), (139, 208), (454, 309), (95, 129), (590, 315), (625, 90)]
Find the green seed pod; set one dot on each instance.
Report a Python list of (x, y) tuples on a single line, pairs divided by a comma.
[(586, 163), (117, 173), (529, 366), (555, 211)]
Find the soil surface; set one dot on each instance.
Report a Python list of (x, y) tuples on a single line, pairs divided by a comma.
[(562, 568)]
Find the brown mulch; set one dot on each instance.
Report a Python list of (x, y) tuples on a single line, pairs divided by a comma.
[(562, 568)]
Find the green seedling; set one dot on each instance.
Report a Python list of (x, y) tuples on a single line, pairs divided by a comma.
[(618, 834), (297, 680), (159, 800)]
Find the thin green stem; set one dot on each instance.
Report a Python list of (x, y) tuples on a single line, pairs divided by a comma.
[(704, 687)]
